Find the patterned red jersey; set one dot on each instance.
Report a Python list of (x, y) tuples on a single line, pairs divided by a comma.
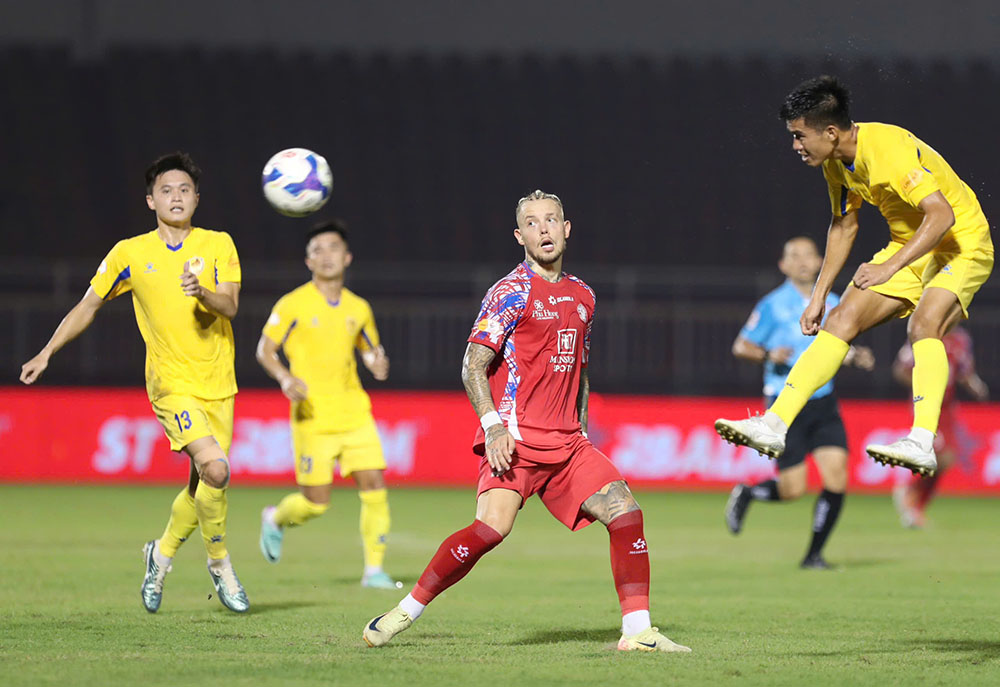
[(542, 332)]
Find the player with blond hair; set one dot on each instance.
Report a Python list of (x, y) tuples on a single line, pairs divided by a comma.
[(525, 372)]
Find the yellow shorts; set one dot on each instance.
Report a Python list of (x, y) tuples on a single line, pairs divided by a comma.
[(316, 452), (960, 273), (186, 418)]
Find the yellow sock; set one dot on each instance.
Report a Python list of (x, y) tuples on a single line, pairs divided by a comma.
[(183, 521), (815, 367), (930, 378), (211, 505), (296, 509), (374, 525)]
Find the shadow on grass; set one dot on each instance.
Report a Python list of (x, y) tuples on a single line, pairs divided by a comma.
[(267, 607), (356, 581), (852, 563), (984, 649), (973, 650), (558, 636)]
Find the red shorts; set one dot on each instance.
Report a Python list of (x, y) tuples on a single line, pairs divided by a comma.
[(562, 486)]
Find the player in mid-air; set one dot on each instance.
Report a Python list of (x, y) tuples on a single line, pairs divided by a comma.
[(185, 284), (772, 336), (525, 372), (318, 326), (952, 441), (939, 254)]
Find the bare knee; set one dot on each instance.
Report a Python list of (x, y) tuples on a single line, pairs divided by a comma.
[(792, 483), (611, 501), (832, 464), (216, 473), (502, 525), (842, 323), (921, 327)]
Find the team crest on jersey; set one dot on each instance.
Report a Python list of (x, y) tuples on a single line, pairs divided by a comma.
[(582, 312), (150, 267), (315, 322), (196, 265), (491, 328), (566, 342)]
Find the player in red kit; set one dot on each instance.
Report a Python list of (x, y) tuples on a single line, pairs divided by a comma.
[(953, 441), (525, 371)]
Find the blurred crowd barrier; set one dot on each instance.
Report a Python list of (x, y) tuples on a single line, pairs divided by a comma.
[(657, 331), (111, 436)]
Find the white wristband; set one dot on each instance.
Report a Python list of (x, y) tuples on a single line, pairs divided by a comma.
[(489, 419)]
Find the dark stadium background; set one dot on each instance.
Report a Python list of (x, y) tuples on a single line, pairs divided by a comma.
[(656, 123)]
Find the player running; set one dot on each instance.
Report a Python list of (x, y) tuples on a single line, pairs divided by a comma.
[(772, 336), (525, 371), (952, 441), (318, 326), (939, 254), (185, 284)]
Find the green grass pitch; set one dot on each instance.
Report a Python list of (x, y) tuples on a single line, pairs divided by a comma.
[(906, 608)]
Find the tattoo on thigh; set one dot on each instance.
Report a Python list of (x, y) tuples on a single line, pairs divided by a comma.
[(611, 501)]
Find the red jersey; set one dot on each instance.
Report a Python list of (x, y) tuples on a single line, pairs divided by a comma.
[(961, 362), (542, 332)]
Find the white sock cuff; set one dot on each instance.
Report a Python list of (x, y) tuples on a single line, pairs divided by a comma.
[(924, 437), (635, 622), (413, 607)]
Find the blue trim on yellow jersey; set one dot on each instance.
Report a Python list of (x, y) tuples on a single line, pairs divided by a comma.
[(333, 304), (174, 248), (216, 275), (367, 340), (123, 275), (920, 160), (290, 328), (850, 167)]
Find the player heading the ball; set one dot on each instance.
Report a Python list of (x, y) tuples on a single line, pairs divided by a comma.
[(939, 254)]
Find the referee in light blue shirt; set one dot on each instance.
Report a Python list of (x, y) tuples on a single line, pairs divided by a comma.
[(773, 336)]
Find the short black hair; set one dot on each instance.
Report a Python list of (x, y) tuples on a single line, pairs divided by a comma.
[(337, 226), (821, 102), (165, 163)]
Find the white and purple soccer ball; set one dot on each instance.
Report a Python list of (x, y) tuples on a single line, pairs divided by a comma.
[(297, 182)]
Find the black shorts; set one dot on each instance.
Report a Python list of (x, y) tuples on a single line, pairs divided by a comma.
[(818, 424)]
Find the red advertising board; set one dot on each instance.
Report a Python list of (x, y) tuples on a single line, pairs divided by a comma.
[(111, 435)]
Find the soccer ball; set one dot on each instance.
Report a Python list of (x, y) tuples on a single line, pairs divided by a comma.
[(297, 182)]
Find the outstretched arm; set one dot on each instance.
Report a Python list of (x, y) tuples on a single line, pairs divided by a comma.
[(499, 442), (839, 240), (76, 321)]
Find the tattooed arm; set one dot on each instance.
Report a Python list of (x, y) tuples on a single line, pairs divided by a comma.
[(582, 400), (499, 442), (611, 501)]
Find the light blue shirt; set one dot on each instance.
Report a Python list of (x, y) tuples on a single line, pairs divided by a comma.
[(774, 323)]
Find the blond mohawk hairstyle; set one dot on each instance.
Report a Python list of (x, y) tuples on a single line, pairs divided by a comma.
[(538, 194)]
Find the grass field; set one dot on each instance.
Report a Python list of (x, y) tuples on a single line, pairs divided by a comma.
[(906, 607)]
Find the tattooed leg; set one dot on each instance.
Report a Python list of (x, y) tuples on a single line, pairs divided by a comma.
[(611, 501)]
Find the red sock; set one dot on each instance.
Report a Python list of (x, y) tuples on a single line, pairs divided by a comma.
[(630, 562), (454, 559)]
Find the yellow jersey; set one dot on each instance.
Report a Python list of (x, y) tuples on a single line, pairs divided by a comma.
[(318, 338), (189, 350), (894, 170)]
